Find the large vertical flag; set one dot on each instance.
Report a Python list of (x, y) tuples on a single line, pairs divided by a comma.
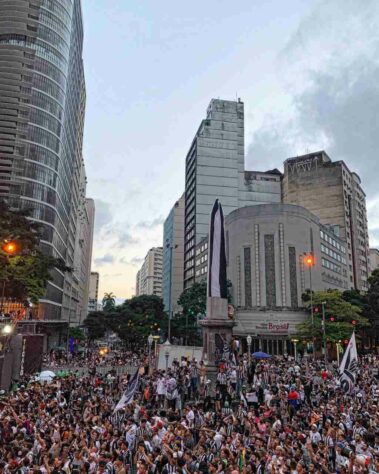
[(349, 366), (130, 390), (216, 254)]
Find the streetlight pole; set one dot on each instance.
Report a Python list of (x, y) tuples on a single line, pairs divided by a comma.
[(309, 261), (323, 331), (295, 341), (170, 247), (248, 340), (338, 352)]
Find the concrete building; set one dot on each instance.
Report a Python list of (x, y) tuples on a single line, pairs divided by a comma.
[(374, 259), (42, 103), (266, 246), (173, 257), (93, 292), (149, 277), (201, 260), (215, 168), (333, 193)]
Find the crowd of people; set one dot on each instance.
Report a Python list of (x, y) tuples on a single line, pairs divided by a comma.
[(271, 416)]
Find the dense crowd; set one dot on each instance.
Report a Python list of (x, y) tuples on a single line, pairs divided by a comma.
[(272, 416)]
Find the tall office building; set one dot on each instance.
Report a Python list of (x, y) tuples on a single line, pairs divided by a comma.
[(215, 168), (149, 277), (335, 195), (173, 262), (93, 291), (42, 103), (374, 259)]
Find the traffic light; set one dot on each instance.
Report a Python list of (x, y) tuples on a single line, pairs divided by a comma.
[(353, 322), (346, 342), (309, 260), (332, 319), (10, 247)]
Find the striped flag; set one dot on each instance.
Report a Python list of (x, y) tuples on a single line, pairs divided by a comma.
[(128, 395), (349, 366), (216, 254)]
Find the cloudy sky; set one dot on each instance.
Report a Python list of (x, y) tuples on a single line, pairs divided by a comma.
[(307, 71)]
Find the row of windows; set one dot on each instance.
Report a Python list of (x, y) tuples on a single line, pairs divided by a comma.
[(40, 173), (40, 47), (37, 153), (201, 260), (333, 242), (56, 40), (333, 254), (48, 69), (39, 99), (201, 271), (330, 265), (202, 249), (58, 9), (45, 84), (51, 20), (45, 120), (43, 137)]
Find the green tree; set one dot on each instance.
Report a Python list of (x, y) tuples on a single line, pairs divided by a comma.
[(109, 302), (373, 305), (26, 273), (95, 325), (77, 333), (194, 304), (339, 317)]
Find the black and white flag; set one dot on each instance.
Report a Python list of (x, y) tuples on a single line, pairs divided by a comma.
[(216, 254), (130, 390), (349, 366)]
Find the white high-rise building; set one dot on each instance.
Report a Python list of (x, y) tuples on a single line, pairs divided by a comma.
[(173, 264), (93, 292), (215, 168), (149, 277)]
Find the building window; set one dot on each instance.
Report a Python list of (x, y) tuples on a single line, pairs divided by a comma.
[(247, 270)]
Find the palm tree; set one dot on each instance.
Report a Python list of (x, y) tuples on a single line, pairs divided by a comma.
[(109, 301)]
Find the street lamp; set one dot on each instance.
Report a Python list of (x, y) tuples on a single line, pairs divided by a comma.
[(170, 247), (295, 341), (167, 346), (309, 261), (150, 340), (248, 340)]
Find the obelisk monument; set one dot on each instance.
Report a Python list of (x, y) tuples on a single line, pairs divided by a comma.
[(217, 327)]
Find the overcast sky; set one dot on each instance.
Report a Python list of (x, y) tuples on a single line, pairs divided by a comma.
[(307, 71)]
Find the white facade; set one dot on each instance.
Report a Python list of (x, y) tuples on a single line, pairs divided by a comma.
[(149, 277), (215, 169), (173, 256), (374, 259), (93, 292)]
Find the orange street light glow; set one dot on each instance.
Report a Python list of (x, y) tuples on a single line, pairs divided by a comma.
[(10, 247), (309, 260)]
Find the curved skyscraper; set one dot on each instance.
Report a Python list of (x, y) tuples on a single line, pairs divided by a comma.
[(42, 103)]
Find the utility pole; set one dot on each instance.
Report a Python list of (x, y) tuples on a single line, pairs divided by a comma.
[(324, 330)]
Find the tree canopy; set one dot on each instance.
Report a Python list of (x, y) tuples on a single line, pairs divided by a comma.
[(341, 317), (25, 273), (133, 321), (109, 302)]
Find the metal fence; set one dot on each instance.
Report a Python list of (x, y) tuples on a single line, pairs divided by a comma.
[(101, 370)]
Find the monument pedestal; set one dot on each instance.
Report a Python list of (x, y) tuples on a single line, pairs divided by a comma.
[(217, 334)]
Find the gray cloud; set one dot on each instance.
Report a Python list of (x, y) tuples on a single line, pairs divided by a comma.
[(107, 258), (336, 104), (135, 261), (125, 239), (150, 224)]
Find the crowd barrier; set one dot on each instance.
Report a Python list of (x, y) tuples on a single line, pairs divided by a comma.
[(101, 370)]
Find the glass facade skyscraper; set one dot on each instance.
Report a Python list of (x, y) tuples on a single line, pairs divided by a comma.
[(42, 104)]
